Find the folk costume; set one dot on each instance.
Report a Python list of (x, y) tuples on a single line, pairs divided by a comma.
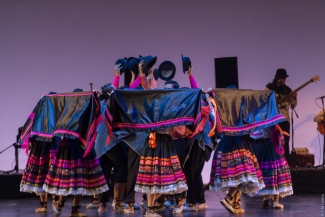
[(235, 168), (269, 150), (67, 122)]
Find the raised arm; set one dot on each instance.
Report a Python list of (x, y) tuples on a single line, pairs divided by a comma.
[(132, 77), (116, 81), (147, 83), (136, 82), (191, 78)]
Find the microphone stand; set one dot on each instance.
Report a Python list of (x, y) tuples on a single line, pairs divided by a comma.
[(293, 154), (294, 161), (16, 158)]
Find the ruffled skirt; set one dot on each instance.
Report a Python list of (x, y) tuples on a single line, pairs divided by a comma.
[(37, 167), (275, 169), (72, 174), (235, 165), (160, 171)]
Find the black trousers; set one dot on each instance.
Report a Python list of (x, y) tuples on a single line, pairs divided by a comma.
[(133, 167), (114, 158), (193, 172), (286, 127)]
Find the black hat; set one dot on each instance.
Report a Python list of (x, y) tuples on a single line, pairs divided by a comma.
[(106, 91), (155, 74), (166, 70), (148, 63), (133, 65), (186, 63), (108, 88), (281, 73), (123, 63), (77, 90)]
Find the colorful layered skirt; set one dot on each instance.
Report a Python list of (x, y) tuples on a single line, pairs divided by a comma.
[(274, 168), (235, 165), (37, 166), (160, 171), (72, 174)]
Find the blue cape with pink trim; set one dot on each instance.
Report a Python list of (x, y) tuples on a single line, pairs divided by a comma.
[(150, 110), (71, 115), (240, 112)]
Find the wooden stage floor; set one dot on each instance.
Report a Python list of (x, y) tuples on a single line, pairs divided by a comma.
[(297, 205)]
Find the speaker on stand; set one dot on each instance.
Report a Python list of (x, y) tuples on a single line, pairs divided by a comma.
[(226, 72)]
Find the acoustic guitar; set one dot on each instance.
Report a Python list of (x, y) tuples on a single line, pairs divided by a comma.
[(283, 98), (321, 128)]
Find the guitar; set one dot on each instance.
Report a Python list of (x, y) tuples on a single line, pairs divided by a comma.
[(283, 98), (321, 128)]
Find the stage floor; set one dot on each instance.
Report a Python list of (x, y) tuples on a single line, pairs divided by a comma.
[(297, 205)]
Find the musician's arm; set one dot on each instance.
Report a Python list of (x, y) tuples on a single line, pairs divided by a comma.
[(319, 118)]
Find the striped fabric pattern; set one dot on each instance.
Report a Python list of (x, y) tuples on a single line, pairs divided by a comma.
[(235, 165), (37, 167), (275, 169), (70, 173), (160, 171)]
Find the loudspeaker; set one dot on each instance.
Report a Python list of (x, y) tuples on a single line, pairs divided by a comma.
[(226, 72)]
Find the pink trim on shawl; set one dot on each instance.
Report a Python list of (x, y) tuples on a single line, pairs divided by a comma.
[(24, 144), (250, 126), (205, 111), (92, 133), (110, 133), (109, 127), (110, 118), (25, 132), (31, 116)]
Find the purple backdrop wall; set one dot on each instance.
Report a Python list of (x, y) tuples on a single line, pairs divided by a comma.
[(61, 45)]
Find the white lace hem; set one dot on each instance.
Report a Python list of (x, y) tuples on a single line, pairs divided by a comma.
[(282, 192), (247, 184), (171, 189), (71, 191), (32, 189)]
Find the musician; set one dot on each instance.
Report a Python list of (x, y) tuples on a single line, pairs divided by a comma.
[(320, 117), (286, 98)]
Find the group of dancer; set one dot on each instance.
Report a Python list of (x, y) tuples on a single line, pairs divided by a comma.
[(157, 142)]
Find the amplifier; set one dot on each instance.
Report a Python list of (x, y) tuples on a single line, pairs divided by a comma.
[(302, 157)]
